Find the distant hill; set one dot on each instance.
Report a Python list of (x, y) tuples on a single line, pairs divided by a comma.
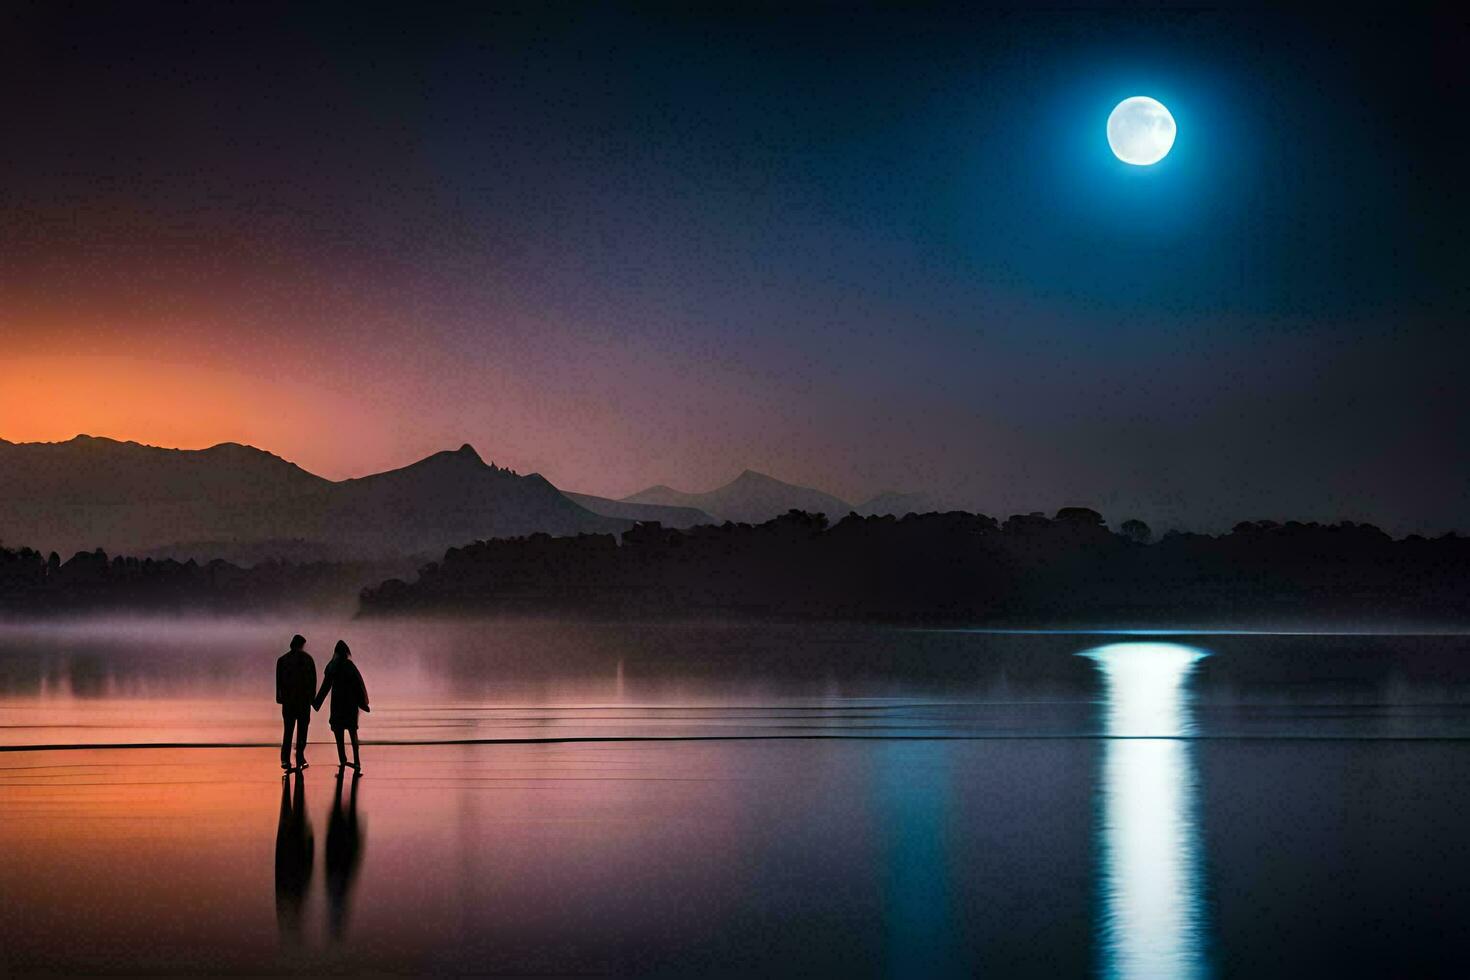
[(125, 497), (751, 498), (897, 504), (90, 470), (680, 517), (448, 499)]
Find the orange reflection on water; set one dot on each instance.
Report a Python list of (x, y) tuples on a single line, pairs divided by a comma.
[(169, 860)]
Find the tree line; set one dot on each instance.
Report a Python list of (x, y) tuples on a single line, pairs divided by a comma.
[(32, 583), (941, 568), (955, 568)]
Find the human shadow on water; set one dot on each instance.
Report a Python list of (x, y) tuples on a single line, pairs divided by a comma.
[(344, 856), (295, 847)]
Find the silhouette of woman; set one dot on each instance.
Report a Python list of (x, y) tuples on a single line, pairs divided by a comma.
[(294, 846), (344, 854), (349, 693)]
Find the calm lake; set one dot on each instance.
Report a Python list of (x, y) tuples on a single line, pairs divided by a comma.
[(543, 798)]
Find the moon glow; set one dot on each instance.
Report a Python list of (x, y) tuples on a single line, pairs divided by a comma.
[(1140, 131)]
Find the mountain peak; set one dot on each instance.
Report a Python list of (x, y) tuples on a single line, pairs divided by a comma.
[(461, 460), (749, 498), (234, 449), (463, 456)]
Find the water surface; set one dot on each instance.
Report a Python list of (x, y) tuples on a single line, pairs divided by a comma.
[(545, 798)]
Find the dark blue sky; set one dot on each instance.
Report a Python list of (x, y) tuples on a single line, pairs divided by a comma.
[(866, 249)]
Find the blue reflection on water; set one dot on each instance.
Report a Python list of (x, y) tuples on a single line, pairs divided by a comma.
[(919, 913), (1152, 920)]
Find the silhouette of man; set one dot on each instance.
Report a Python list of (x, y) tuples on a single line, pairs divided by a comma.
[(295, 687)]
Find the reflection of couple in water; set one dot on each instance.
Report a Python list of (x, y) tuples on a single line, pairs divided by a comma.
[(297, 694), (295, 848)]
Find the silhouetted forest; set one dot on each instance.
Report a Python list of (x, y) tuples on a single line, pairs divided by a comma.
[(33, 583), (956, 568)]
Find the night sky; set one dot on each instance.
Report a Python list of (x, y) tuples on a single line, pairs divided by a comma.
[(861, 249)]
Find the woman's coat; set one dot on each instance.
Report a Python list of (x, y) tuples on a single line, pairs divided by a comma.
[(349, 693)]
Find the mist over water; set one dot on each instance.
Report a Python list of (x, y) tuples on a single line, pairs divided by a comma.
[(551, 797)]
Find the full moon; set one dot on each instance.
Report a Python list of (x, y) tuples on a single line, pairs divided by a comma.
[(1140, 131)]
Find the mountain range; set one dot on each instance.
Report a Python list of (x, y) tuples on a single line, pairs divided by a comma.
[(246, 505), (238, 502), (753, 498), (669, 516), (750, 498)]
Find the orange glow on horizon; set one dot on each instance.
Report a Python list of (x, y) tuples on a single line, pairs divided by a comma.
[(177, 406)]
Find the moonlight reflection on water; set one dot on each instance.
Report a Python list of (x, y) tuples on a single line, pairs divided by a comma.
[(1152, 921)]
